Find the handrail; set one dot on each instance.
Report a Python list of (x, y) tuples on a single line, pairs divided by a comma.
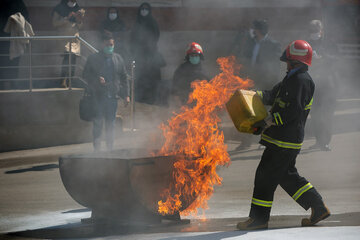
[(88, 45), (30, 54), (349, 51)]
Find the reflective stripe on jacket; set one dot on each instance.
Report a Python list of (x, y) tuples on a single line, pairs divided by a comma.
[(291, 101)]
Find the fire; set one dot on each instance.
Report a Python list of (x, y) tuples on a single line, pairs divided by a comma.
[(194, 136)]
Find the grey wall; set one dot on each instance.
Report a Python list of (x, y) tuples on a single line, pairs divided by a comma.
[(41, 119)]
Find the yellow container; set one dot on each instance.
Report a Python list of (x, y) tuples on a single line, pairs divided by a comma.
[(245, 108)]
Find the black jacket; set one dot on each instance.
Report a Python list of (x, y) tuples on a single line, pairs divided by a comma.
[(63, 9), (265, 72), (291, 101), (113, 26), (92, 72), (145, 34), (183, 76)]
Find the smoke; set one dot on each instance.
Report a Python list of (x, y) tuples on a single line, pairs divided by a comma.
[(214, 25)]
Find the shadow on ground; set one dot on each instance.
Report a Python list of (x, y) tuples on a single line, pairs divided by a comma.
[(210, 236), (219, 228), (34, 169), (81, 210)]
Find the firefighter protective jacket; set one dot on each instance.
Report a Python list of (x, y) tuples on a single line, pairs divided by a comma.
[(291, 100)]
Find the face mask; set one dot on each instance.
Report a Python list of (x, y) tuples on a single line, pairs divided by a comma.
[(315, 36), (194, 59), (144, 12), (71, 4), (252, 33), (112, 16), (108, 49)]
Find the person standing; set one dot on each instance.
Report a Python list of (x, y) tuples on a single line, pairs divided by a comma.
[(259, 54), (325, 76), (144, 38), (282, 134), (107, 79), (189, 71), (8, 8), (115, 25), (67, 18)]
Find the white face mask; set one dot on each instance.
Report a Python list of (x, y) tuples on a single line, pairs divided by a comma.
[(112, 16), (252, 33), (71, 4), (144, 12), (315, 36)]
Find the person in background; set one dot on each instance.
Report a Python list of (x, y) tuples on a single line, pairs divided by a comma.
[(189, 71), (282, 134), (113, 22), (8, 8), (67, 19), (115, 25), (326, 78), (107, 79), (259, 54), (144, 38)]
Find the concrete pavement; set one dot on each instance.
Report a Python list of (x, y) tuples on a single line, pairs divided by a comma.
[(35, 204)]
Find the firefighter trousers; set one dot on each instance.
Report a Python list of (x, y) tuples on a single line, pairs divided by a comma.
[(277, 167)]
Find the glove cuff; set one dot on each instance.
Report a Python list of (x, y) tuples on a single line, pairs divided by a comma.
[(269, 120)]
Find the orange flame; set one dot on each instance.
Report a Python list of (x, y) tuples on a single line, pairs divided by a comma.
[(194, 135)]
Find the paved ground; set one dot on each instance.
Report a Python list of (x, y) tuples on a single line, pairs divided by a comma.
[(32, 197), (34, 203)]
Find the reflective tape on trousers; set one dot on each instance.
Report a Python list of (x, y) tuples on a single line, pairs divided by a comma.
[(301, 191), (281, 143), (261, 203)]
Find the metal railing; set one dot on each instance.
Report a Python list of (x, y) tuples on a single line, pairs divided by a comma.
[(349, 51), (30, 53), (32, 67)]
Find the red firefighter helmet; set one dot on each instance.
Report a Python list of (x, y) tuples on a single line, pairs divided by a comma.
[(298, 50), (195, 48)]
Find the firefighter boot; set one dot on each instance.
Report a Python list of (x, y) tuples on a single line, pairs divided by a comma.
[(318, 213), (252, 224)]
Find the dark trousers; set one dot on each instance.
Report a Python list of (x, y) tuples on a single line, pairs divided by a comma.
[(75, 82), (147, 82), (323, 108), (322, 116), (277, 167), (65, 63), (106, 111)]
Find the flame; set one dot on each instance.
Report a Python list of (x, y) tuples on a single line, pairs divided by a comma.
[(194, 135)]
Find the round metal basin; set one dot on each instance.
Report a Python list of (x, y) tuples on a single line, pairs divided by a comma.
[(123, 184)]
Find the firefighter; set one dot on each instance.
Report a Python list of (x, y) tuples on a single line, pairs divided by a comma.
[(190, 70), (282, 134)]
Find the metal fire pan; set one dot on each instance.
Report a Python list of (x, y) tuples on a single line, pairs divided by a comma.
[(120, 184)]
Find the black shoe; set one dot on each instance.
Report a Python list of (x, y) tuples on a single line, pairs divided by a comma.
[(252, 224), (317, 214)]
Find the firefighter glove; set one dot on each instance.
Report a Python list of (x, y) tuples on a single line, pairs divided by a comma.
[(260, 126)]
